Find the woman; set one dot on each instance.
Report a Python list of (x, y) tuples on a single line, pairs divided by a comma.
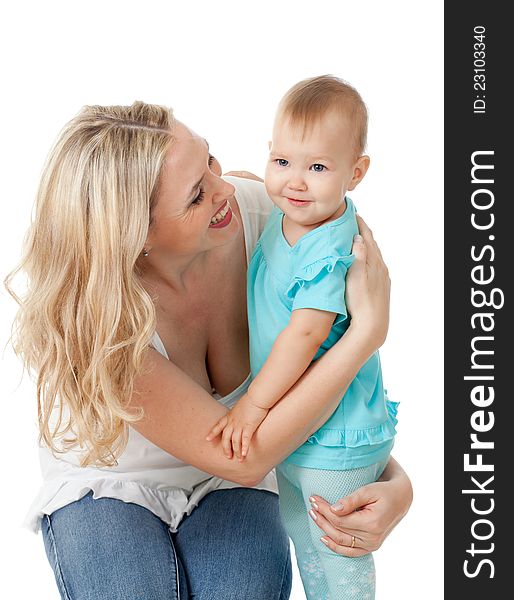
[(136, 233)]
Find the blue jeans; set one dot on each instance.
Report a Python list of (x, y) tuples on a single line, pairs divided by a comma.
[(232, 546)]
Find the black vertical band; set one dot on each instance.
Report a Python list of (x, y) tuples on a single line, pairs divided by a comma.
[(479, 331)]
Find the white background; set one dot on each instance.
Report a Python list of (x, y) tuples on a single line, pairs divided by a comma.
[(223, 66)]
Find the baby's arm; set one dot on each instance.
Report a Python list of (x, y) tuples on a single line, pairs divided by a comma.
[(290, 356)]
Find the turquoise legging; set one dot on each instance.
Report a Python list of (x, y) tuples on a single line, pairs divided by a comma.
[(325, 574)]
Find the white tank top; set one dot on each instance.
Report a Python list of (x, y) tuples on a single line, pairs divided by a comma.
[(145, 474)]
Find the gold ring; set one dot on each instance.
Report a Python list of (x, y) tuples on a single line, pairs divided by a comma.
[(353, 542)]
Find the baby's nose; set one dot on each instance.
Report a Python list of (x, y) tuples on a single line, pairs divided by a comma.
[(296, 182)]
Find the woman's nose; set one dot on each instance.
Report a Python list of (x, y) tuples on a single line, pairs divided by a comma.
[(224, 190)]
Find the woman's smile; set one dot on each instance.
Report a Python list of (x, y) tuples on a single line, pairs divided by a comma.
[(222, 218)]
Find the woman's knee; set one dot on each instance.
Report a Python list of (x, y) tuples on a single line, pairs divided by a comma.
[(245, 556), (106, 548), (249, 578)]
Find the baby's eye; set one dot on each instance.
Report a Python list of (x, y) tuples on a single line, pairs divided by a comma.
[(318, 168), (282, 162)]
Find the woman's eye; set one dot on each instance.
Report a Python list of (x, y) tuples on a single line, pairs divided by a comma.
[(318, 168), (214, 165), (198, 198), (281, 162)]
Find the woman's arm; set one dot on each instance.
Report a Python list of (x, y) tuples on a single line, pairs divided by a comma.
[(178, 413), (369, 514)]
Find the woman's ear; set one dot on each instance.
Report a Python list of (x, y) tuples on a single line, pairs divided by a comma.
[(360, 169)]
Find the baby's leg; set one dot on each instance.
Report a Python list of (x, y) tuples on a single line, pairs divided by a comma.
[(347, 578), (296, 521)]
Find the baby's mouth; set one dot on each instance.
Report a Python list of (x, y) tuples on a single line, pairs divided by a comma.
[(298, 202)]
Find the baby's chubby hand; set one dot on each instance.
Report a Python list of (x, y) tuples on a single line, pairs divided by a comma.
[(238, 427)]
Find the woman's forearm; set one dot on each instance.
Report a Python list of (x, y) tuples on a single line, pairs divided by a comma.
[(308, 404), (395, 473), (178, 414), (392, 471)]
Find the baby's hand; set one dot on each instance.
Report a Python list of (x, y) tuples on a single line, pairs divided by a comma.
[(238, 427)]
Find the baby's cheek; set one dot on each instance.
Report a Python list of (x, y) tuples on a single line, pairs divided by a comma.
[(273, 181), (269, 182)]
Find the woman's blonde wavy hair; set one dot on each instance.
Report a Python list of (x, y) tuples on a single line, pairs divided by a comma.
[(85, 320)]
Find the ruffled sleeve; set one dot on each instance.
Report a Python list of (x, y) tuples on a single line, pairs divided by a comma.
[(321, 285)]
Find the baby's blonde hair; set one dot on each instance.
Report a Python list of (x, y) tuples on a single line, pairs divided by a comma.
[(85, 321), (308, 101)]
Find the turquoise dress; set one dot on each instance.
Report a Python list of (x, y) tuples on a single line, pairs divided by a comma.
[(311, 274)]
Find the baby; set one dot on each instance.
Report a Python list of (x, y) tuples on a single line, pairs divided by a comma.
[(296, 311)]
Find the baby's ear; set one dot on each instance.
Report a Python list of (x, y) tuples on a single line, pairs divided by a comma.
[(360, 169)]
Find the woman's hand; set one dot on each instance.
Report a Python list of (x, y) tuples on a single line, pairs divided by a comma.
[(368, 515), (368, 288)]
